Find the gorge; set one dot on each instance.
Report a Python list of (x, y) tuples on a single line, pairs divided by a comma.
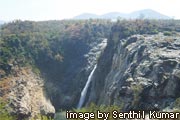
[(60, 65)]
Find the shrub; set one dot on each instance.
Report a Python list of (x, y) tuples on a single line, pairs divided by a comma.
[(177, 103), (137, 89), (4, 114), (167, 33)]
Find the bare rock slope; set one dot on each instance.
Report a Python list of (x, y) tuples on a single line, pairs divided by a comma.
[(142, 72), (26, 95)]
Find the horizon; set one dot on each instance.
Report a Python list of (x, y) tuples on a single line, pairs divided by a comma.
[(43, 10)]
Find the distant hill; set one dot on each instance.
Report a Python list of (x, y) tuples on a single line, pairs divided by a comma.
[(148, 14), (142, 14)]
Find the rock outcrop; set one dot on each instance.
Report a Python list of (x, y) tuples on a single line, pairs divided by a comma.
[(139, 69), (140, 72), (63, 51), (26, 96)]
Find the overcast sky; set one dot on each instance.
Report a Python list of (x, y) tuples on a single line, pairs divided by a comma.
[(64, 9)]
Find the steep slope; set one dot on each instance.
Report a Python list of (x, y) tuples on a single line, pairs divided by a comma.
[(140, 72), (44, 66), (61, 54), (24, 92)]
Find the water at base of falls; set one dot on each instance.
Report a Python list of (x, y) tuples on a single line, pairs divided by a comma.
[(84, 91)]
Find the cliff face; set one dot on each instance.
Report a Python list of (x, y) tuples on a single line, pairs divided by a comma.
[(64, 82), (29, 94), (25, 94), (63, 52), (138, 72)]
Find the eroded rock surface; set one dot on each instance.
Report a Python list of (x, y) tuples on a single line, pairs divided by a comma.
[(144, 73), (26, 97)]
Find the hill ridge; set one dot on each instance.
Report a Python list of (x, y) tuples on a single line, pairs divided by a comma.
[(145, 14)]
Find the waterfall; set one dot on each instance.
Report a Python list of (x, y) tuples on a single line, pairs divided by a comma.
[(84, 91)]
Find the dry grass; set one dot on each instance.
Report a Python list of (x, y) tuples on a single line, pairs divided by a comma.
[(5, 85)]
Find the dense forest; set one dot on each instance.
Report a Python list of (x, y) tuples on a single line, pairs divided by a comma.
[(25, 42)]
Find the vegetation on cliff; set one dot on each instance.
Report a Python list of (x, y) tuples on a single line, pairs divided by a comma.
[(127, 28), (4, 114), (25, 42), (57, 50), (50, 49)]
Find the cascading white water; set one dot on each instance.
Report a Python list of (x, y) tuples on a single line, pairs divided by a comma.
[(84, 92)]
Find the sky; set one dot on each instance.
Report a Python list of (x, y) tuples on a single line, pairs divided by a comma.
[(39, 10)]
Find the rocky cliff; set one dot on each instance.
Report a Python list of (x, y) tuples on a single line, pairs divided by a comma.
[(44, 66), (24, 92), (63, 53), (140, 72), (65, 91)]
